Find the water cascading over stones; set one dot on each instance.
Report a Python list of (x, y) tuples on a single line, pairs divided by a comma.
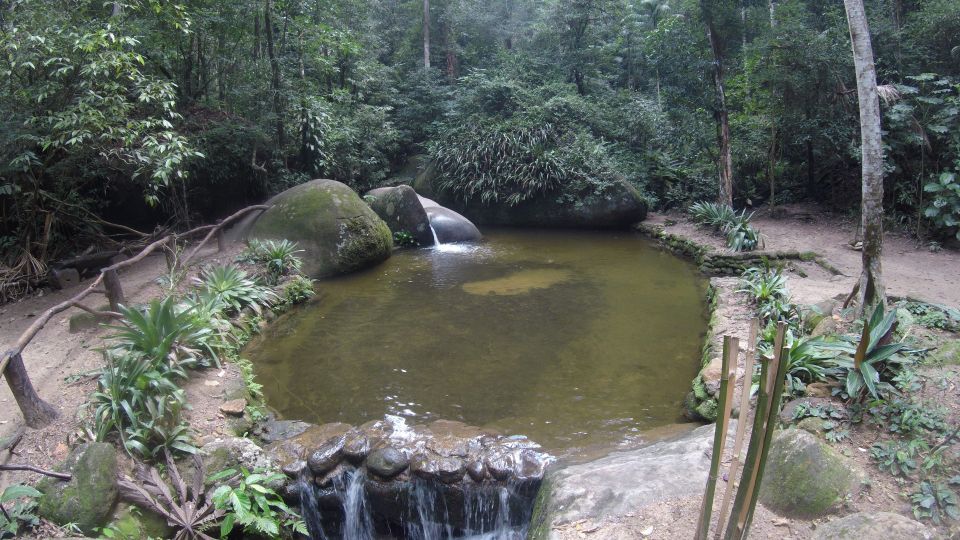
[(387, 479)]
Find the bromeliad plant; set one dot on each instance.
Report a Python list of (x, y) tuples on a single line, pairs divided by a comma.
[(279, 257), (234, 289), (806, 362), (741, 236), (165, 332), (868, 365)]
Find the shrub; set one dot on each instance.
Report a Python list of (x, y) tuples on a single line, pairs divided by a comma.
[(234, 289), (246, 500), (164, 332), (740, 235), (279, 257), (20, 514)]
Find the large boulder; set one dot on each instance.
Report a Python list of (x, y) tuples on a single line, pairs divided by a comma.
[(400, 208), (449, 226), (804, 478), (619, 484), (618, 205), (886, 525), (336, 229), (87, 500)]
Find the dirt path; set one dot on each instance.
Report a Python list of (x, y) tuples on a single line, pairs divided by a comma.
[(62, 364), (908, 269)]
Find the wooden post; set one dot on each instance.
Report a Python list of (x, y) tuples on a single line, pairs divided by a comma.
[(731, 350), (37, 413), (221, 241), (111, 280), (171, 252)]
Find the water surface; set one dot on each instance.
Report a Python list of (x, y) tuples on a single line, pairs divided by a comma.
[(576, 339)]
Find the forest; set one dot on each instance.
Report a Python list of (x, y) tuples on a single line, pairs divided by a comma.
[(155, 113), (435, 269)]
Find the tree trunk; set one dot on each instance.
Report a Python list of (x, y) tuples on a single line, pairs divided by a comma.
[(426, 35), (870, 287), (37, 413), (725, 164), (275, 69)]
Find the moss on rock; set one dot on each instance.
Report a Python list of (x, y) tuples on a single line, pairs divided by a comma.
[(336, 229), (88, 498), (804, 478)]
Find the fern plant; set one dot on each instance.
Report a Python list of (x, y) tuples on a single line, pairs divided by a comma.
[(20, 514), (246, 500)]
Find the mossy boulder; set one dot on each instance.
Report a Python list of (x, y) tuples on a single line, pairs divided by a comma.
[(87, 500), (886, 525), (133, 523), (804, 478), (399, 207), (948, 353), (336, 229), (616, 205)]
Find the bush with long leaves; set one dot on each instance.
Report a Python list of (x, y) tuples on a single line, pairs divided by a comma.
[(740, 234), (187, 507), (868, 364), (279, 257), (164, 331), (234, 289)]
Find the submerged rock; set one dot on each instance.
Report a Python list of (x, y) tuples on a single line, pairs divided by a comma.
[(88, 498), (336, 229), (804, 478), (400, 208)]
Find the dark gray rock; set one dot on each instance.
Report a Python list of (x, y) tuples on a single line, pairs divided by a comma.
[(387, 462), (400, 208), (294, 469), (886, 525), (327, 456), (280, 430), (450, 226), (356, 446), (477, 471), (87, 500), (64, 278), (447, 470)]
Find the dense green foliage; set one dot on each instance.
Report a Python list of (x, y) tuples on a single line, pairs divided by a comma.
[(146, 112)]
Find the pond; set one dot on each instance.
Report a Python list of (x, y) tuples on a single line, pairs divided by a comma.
[(576, 339)]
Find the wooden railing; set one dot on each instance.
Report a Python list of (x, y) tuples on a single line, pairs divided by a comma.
[(37, 412)]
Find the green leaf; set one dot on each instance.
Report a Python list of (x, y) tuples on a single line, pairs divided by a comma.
[(17, 491)]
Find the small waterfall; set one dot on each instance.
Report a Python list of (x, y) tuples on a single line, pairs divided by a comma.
[(436, 241), (310, 506), (345, 512)]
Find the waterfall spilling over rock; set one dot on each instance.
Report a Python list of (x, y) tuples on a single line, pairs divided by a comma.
[(388, 479)]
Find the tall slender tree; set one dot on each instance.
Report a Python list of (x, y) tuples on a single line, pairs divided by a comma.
[(426, 35), (725, 159), (870, 289)]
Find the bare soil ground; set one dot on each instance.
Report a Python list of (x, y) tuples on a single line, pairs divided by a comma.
[(62, 367)]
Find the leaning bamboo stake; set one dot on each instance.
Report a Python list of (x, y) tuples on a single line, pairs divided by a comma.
[(751, 468), (731, 348), (775, 400), (746, 385)]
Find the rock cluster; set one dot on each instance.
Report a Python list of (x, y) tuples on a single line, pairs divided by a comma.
[(456, 462)]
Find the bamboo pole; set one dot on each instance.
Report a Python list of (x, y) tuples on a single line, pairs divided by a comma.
[(775, 400), (746, 385), (731, 350), (741, 507)]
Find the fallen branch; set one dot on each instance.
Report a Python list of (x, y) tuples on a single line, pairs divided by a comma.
[(219, 226), (31, 468)]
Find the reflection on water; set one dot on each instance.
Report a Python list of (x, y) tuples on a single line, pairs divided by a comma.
[(572, 338)]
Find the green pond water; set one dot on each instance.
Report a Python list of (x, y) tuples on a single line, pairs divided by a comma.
[(575, 339)]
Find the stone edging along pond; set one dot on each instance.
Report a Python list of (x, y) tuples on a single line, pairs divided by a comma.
[(730, 312)]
